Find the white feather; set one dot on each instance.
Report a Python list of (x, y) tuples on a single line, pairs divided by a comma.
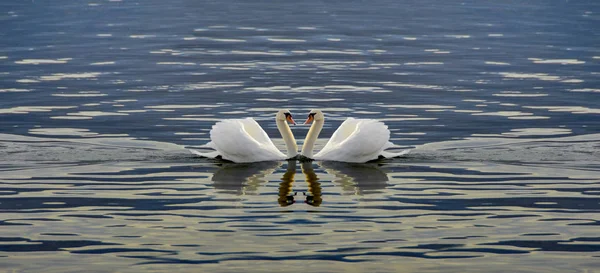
[(358, 141), (241, 141)]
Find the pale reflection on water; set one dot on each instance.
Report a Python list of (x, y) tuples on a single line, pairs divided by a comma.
[(245, 179)]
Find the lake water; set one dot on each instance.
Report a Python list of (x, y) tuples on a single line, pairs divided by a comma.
[(100, 100)]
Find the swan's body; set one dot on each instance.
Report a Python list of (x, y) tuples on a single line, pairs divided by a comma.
[(243, 140), (356, 140)]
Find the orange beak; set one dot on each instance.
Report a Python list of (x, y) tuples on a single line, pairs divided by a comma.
[(290, 119), (309, 119)]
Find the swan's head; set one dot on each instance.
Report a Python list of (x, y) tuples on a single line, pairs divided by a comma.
[(314, 115), (285, 114)]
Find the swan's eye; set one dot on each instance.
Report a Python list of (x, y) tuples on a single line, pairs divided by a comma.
[(312, 115), (287, 115)]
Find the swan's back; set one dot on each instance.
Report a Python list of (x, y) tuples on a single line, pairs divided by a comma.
[(255, 131), (243, 140), (346, 129), (356, 140)]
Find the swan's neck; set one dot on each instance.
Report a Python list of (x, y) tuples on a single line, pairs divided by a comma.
[(288, 138), (311, 138)]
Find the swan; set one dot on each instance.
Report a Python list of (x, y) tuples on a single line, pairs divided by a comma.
[(356, 140), (244, 141)]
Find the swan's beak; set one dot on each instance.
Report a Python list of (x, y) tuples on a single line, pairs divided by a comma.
[(309, 119), (290, 119)]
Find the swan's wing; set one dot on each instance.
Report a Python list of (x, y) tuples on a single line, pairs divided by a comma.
[(243, 140), (346, 129), (258, 133), (254, 130), (356, 140)]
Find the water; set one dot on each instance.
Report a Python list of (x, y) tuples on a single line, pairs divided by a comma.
[(499, 101)]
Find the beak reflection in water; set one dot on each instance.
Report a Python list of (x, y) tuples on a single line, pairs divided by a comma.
[(313, 197), (286, 197), (286, 193)]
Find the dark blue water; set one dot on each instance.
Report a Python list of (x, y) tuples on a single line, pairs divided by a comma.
[(499, 99)]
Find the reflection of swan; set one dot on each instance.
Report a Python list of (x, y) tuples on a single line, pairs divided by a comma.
[(351, 176), (243, 140), (285, 187), (314, 187), (356, 140), (243, 178), (246, 178)]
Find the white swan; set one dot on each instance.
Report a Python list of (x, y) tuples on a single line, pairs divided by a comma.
[(356, 140), (243, 140)]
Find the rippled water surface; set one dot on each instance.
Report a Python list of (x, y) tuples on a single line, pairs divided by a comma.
[(499, 100)]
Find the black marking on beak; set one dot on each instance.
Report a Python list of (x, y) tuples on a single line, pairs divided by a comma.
[(310, 118), (288, 117)]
